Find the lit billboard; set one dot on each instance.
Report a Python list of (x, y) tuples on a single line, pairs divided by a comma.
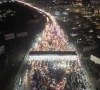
[(53, 57)]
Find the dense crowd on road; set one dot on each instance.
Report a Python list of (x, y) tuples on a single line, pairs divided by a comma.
[(57, 75), (52, 39)]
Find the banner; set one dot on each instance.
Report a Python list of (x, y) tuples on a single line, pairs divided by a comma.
[(21, 34), (9, 36)]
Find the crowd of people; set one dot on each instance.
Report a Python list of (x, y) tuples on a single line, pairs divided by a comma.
[(57, 75), (52, 39)]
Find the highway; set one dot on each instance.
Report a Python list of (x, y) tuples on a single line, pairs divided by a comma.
[(51, 39)]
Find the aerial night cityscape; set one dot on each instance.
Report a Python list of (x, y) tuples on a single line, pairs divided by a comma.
[(49, 44)]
